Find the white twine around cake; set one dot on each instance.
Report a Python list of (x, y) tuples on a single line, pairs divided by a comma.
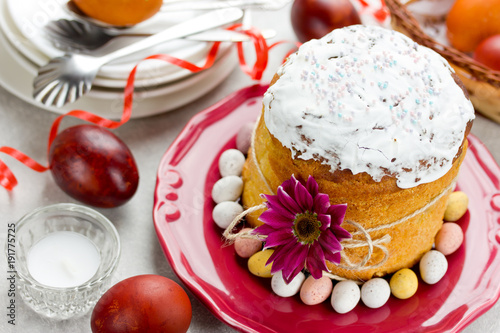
[(346, 244)]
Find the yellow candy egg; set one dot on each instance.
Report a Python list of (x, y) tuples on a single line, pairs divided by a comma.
[(257, 263), (404, 283), (456, 206)]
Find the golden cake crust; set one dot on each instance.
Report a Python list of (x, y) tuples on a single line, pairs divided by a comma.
[(376, 205)]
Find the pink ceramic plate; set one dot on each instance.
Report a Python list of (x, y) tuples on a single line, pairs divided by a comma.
[(194, 247)]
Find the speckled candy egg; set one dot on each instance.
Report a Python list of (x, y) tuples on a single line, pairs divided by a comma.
[(244, 137), (456, 206), (281, 288), (375, 293), (227, 189), (433, 267), (316, 291), (257, 263), (404, 283), (449, 238), (231, 162), (247, 247), (225, 212), (345, 296)]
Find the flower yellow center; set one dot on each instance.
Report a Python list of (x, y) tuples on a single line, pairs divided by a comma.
[(306, 227)]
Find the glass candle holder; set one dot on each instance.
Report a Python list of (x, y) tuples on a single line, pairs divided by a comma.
[(65, 255)]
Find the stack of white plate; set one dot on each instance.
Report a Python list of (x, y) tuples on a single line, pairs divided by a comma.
[(160, 86)]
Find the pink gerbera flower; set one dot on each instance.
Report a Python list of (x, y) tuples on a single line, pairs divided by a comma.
[(303, 228)]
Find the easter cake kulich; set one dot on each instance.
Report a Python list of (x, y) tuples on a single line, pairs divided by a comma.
[(381, 124)]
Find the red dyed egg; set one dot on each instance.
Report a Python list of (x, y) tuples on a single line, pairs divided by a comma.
[(94, 166), (143, 304), (488, 52), (315, 18)]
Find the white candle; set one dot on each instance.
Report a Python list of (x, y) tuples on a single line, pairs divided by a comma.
[(63, 259)]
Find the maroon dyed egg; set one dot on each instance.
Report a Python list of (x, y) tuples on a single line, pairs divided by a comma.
[(315, 18), (143, 304), (94, 166)]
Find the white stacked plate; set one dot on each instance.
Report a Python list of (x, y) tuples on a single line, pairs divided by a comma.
[(160, 86)]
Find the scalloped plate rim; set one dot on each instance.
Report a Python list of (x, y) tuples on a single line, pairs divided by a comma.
[(181, 265)]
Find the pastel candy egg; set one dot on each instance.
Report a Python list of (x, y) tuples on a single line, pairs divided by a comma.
[(404, 283), (375, 292), (449, 238), (281, 288), (433, 266), (225, 212), (246, 247), (231, 162), (316, 291), (456, 206), (227, 189), (257, 263), (244, 137), (345, 296)]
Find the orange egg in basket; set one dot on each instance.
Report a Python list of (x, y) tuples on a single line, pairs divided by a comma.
[(471, 21)]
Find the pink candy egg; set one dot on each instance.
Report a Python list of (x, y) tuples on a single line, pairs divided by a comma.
[(449, 238), (316, 291), (245, 247)]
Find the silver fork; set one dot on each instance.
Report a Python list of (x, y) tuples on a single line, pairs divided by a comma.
[(65, 79), (82, 37)]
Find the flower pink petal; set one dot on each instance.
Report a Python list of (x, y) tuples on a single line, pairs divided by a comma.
[(325, 221), (290, 277), (273, 202), (334, 258), (288, 202), (303, 198), (264, 229), (321, 203), (289, 186), (291, 255), (315, 261), (340, 232), (337, 212), (280, 237), (279, 256), (278, 261), (275, 219), (329, 242), (295, 261), (312, 186)]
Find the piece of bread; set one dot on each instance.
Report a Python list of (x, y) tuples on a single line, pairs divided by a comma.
[(344, 124)]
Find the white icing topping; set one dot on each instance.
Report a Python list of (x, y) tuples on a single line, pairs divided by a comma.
[(370, 100)]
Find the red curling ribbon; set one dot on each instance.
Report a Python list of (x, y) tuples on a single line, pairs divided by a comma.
[(9, 181), (364, 3), (261, 52), (381, 14)]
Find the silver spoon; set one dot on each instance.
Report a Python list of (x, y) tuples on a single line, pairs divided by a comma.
[(187, 5), (65, 79), (81, 37)]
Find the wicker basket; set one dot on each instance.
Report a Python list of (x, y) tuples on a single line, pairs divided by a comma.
[(482, 83)]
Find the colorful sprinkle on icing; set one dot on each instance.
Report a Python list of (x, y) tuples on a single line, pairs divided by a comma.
[(364, 77)]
